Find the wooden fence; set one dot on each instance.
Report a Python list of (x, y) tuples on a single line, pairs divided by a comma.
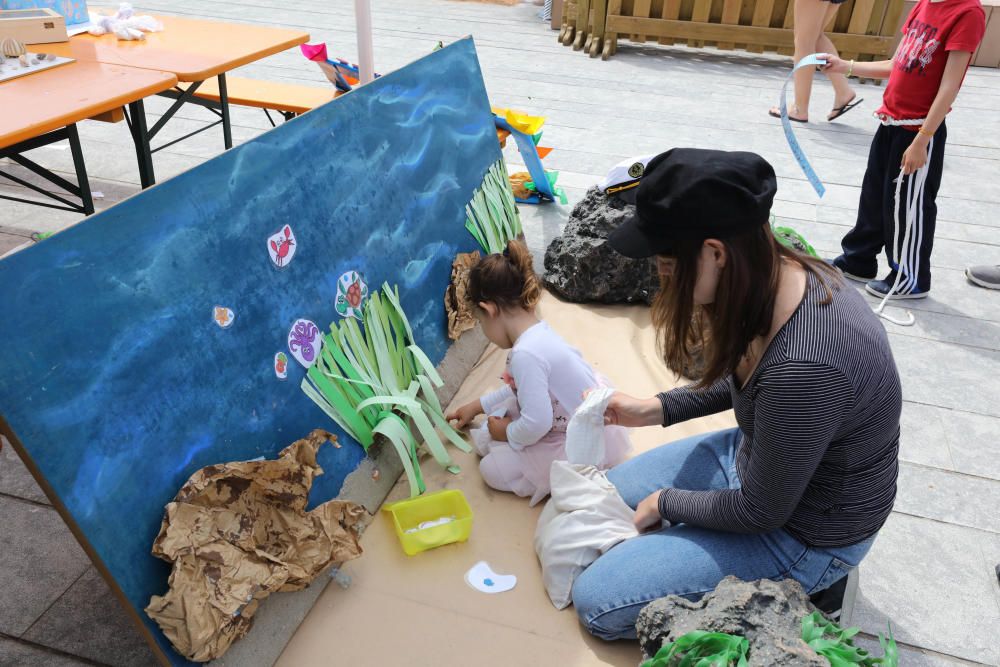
[(862, 29)]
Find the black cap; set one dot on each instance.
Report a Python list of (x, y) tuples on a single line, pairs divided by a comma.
[(693, 193)]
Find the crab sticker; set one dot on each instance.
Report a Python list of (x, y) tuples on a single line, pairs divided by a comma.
[(223, 316), (304, 342), (281, 247), (352, 292), (281, 365)]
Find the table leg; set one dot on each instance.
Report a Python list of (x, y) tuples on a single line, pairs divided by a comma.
[(140, 137), (81, 169), (227, 129)]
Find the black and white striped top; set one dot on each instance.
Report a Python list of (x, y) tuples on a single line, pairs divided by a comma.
[(819, 422)]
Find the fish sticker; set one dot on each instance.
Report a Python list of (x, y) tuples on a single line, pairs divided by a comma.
[(305, 342), (281, 247), (352, 293), (281, 365), (223, 316)]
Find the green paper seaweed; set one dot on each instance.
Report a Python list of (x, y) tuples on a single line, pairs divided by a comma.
[(837, 646), (373, 379), (702, 649), (491, 215)]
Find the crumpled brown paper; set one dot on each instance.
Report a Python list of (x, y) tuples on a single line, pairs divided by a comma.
[(238, 532), (456, 300)]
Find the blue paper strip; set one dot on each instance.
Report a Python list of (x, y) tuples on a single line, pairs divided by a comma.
[(786, 125)]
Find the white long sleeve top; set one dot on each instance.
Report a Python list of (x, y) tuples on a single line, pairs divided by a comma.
[(550, 377)]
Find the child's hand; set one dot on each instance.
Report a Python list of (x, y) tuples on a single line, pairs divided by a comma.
[(498, 427), (465, 414), (647, 513), (834, 64), (915, 156)]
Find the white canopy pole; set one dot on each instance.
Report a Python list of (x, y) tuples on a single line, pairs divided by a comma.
[(366, 58)]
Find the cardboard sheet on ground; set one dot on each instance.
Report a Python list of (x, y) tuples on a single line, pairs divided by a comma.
[(117, 382), (424, 603), (237, 532)]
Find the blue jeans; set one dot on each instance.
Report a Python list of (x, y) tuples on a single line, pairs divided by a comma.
[(689, 560)]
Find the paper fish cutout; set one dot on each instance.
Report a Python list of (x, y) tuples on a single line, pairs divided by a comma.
[(281, 247), (223, 316), (352, 293), (482, 577), (305, 342), (281, 365)]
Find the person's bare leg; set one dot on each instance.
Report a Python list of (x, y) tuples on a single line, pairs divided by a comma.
[(842, 91), (809, 18)]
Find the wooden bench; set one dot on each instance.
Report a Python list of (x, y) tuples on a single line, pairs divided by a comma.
[(288, 99)]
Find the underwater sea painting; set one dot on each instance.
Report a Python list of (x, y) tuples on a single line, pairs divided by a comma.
[(142, 344)]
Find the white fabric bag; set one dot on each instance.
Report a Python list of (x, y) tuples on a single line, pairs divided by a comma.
[(585, 516)]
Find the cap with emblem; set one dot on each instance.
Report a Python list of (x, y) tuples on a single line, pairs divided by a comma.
[(624, 177)]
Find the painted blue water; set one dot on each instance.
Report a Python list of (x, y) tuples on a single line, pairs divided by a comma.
[(115, 377)]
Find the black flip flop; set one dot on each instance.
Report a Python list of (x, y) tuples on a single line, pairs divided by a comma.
[(791, 118), (840, 111)]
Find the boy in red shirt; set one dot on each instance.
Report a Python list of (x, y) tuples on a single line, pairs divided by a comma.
[(925, 75)]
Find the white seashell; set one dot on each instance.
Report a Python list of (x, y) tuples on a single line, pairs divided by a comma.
[(12, 48)]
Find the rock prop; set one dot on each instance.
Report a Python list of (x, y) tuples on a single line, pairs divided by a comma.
[(237, 532), (581, 267), (456, 302), (768, 613)]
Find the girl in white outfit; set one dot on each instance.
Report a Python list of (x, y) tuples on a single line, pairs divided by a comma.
[(544, 383)]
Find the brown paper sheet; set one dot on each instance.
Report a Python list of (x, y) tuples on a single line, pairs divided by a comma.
[(237, 532)]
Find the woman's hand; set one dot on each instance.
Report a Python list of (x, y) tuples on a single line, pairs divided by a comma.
[(834, 64), (465, 414), (915, 155), (498, 427), (647, 513), (625, 410)]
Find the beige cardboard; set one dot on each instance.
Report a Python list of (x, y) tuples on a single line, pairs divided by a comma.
[(237, 532)]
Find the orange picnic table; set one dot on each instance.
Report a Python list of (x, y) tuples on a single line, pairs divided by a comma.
[(193, 50), (42, 108)]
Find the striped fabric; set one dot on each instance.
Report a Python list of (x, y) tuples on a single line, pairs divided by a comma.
[(820, 430)]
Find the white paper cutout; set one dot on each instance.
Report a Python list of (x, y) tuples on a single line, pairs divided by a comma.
[(223, 316), (281, 365), (352, 293), (482, 577), (281, 247), (305, 342)]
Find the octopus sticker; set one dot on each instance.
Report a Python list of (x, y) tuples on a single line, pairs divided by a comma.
[(281, 247), (304, 342), (223, 316), (352, 292), (281, 365)]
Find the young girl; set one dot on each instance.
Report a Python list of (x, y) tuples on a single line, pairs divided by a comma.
[(544, 383)]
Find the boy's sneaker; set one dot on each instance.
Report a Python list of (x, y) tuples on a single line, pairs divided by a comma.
[(881, 288), (840, 263), (984, 276)]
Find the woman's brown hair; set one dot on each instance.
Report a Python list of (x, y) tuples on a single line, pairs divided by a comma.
[(507, 279), (744, 302)]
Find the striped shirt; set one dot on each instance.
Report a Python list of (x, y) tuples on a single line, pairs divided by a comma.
[(819, 423)]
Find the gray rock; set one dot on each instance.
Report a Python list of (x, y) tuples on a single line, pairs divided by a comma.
[(581, 267), (768, 613)]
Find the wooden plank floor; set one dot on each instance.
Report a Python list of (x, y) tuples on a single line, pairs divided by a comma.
[(932, 570)]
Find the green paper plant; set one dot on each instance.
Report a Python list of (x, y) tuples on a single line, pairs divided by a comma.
[(702, 649), (492, 216), (373, 381), (837, 646)]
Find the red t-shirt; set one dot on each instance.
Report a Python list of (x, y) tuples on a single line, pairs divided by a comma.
[(931, 30)]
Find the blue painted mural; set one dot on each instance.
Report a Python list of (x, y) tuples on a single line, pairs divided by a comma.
[(116, 378)]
